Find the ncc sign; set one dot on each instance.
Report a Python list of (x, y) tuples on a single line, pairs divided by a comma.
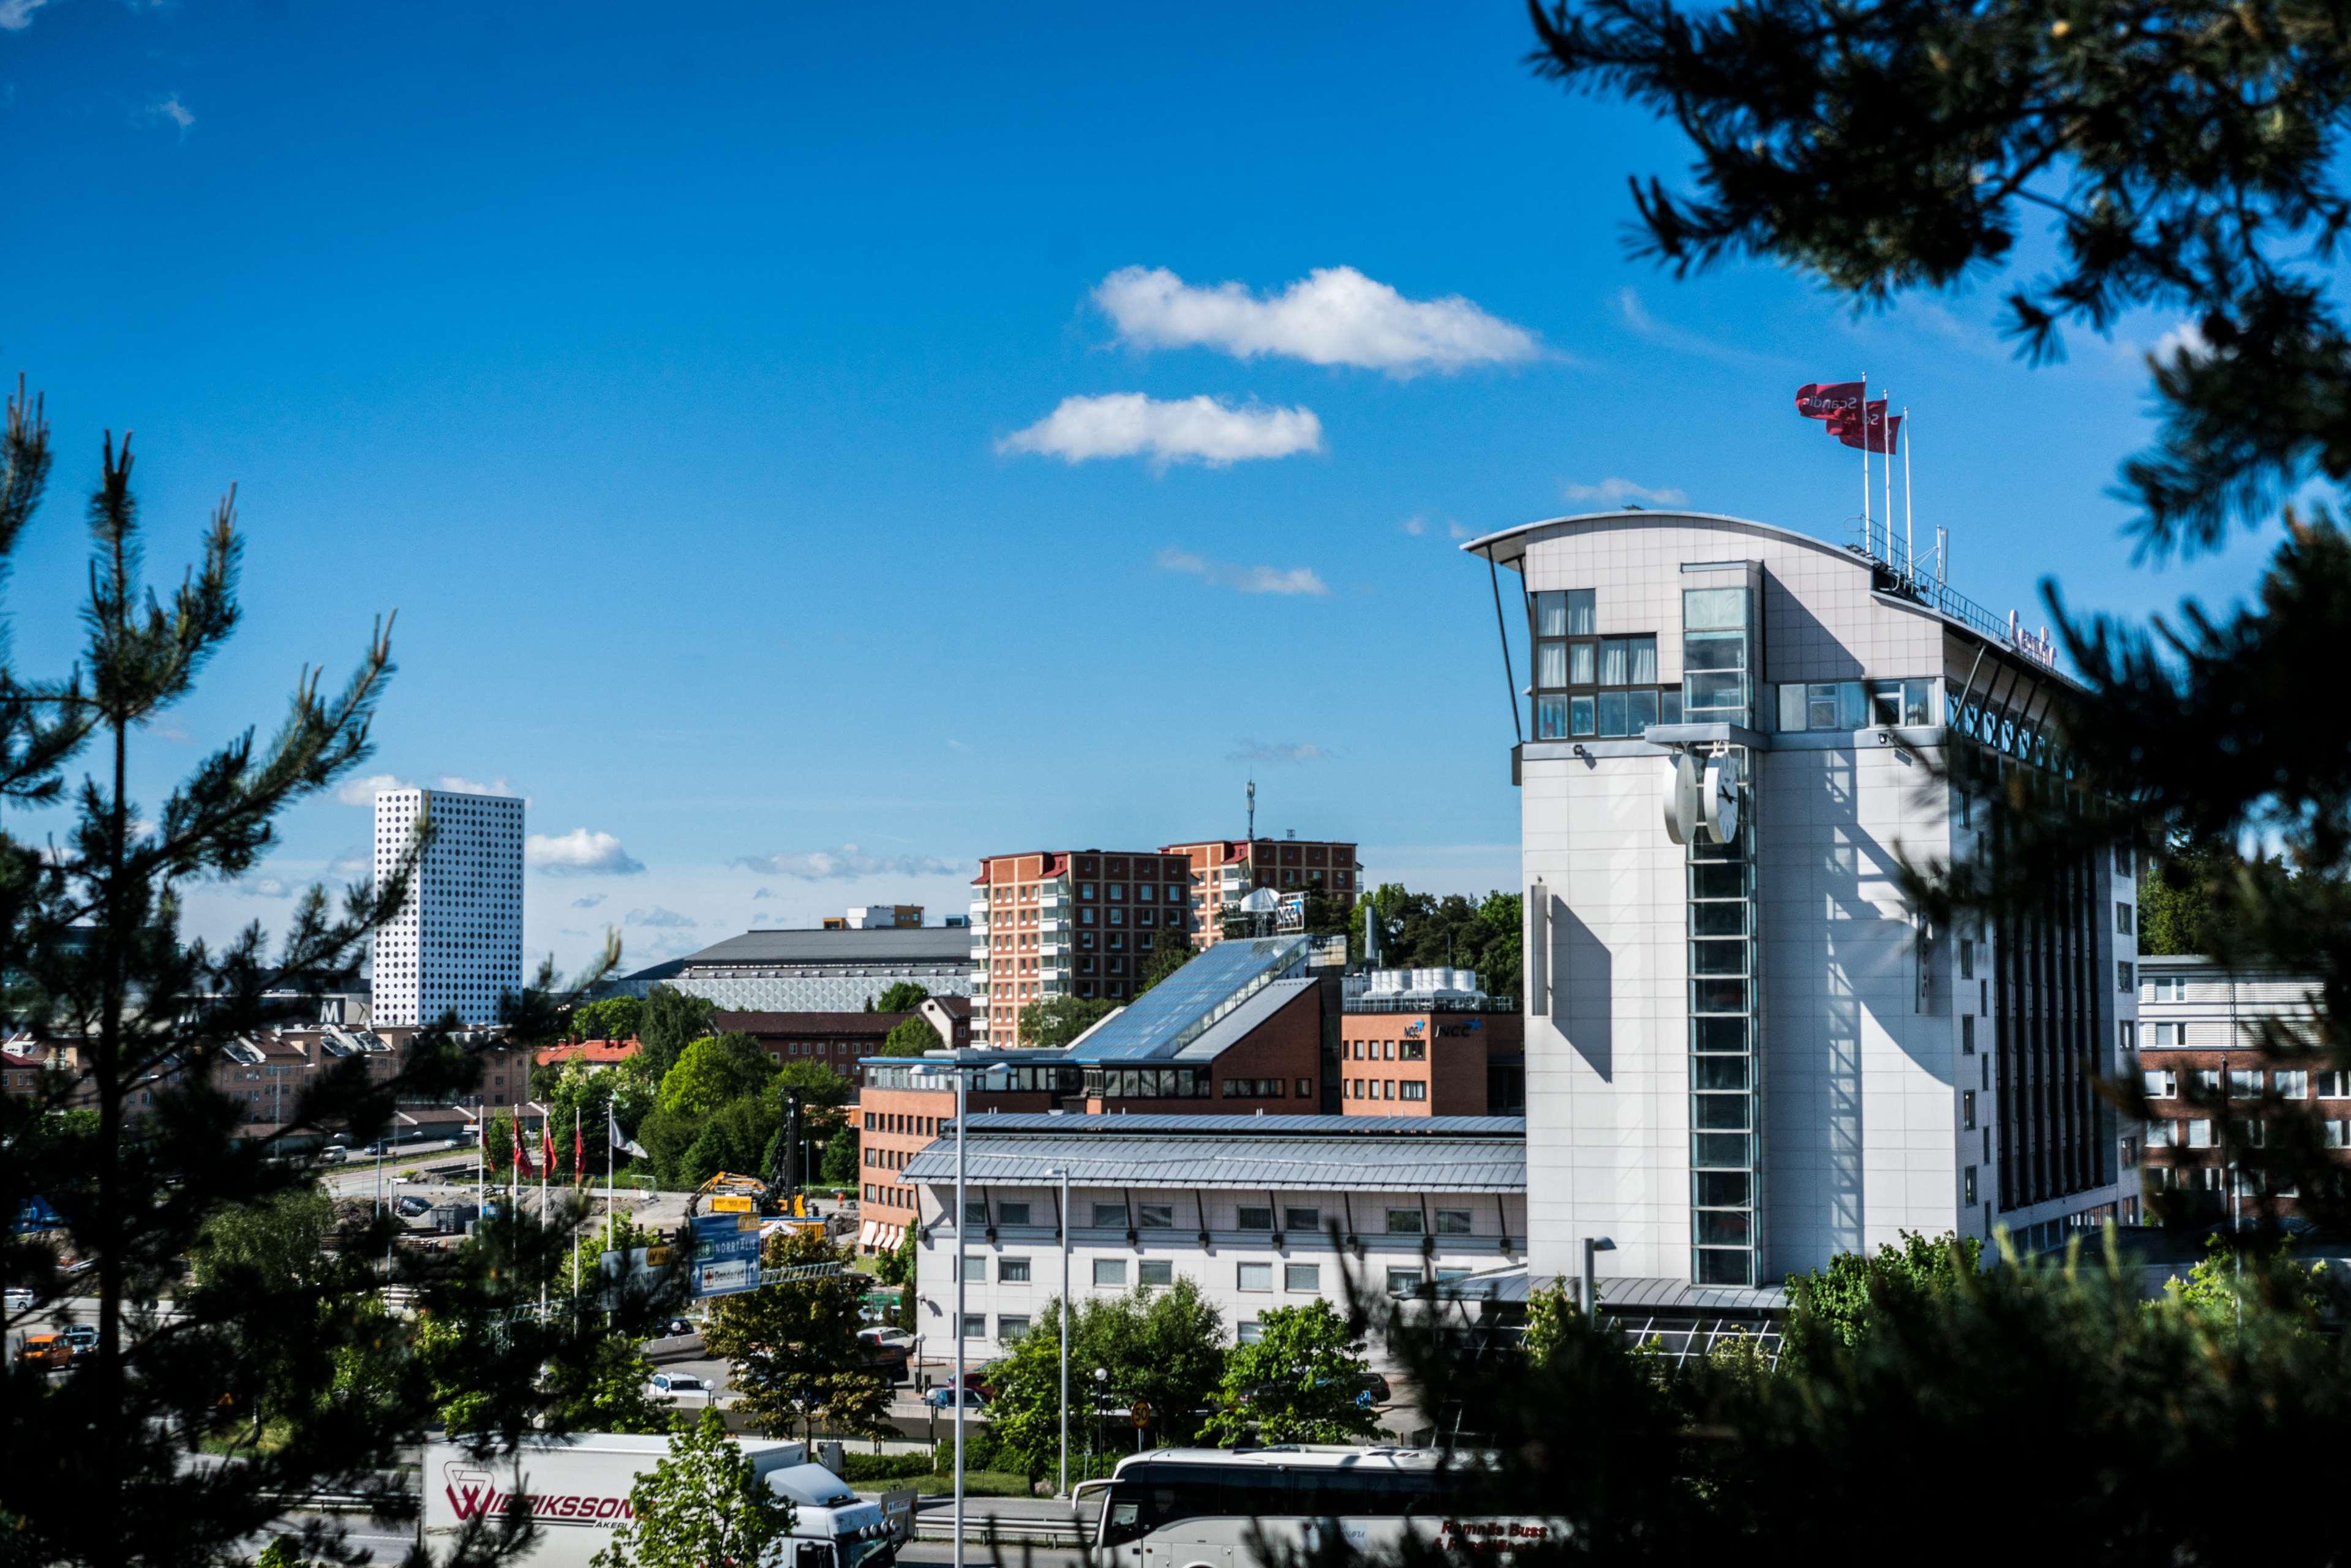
[(726, 1254)]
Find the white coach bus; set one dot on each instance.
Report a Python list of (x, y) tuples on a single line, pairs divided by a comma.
[(1216, 1508)]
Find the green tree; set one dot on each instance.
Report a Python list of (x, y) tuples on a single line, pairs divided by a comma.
[(1163, 1349), (793, 1347), (896, 1267), (614, 1018), (1056, 1020), (276, 1245), (669, 1021), (902, 996), (701, 1505), (1837, 1302), (1300, 1382), (911, 1037), (841, 1156), (1170, 951), (712, 1071), (499, 1142), (611, 1392)]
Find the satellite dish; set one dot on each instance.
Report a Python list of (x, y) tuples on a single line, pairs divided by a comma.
[(1720, 801), (1261, 901), (1680, 797)]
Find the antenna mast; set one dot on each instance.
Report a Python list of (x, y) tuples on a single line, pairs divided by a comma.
[(1253, 810)]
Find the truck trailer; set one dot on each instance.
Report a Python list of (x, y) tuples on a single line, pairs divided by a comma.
[(578, 1490)]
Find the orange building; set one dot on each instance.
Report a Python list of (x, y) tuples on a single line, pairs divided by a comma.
[(1222, 870), (1067, 923)]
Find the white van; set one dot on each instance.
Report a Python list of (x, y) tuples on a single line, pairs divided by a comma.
[(578, 1487)]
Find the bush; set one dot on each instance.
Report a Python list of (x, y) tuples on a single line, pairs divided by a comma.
[(857, 1468)]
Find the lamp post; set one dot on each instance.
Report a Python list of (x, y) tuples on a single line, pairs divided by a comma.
[(1063, 1172), (961, 1216), (1591, 1246)]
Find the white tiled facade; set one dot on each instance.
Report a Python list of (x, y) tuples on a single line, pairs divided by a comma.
[(457, 943), (1874, 1092)]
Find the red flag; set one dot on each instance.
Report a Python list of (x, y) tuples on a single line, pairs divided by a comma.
[(1884, 434), (546, 1147), (518, 1141), (579, 1150), (1829, 400)]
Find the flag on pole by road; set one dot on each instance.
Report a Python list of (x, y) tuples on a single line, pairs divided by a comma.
[(612, 1138), (546, 1147), (579, 1150), (1872, 430), (1829, 400), (517, 1139)]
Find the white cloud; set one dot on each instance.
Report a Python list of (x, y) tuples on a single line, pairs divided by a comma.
[(1192, 430), (2184, 342), (169, 108), (351, 862), (1455, 531), (580, 853), (1415, 525), (1616, 492), (847, 864), (363, 791), (262, 887), (1287, 580), (590, 902), (1636, 317), (1279, 751), (1332, 316), (16, 15), (457, 786), (659, 918)]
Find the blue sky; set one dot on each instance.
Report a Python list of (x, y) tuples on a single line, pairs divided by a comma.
[(698, 387)]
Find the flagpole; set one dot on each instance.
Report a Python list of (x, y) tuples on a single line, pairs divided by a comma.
[(1906, 545), (1868, 537), (1885, 429)]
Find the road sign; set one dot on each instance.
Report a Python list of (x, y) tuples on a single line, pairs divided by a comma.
[(726, 1254), (1142, 1414)]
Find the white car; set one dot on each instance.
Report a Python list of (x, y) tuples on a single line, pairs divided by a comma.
[(675, 1383), (404, 1177), (19, 1301), (886, 1338)]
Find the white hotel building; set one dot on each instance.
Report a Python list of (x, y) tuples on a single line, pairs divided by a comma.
[(1747, 1051), (457, 943)]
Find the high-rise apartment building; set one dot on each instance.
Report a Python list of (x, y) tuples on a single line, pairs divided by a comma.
[(1746, 1050), (457, 944), (1067, 922), (1223, 871)]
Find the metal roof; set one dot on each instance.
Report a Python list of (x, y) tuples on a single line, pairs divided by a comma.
[(886, 944), (1234, 1027), (1182, 1007), (1358, 1154), (1621, 1294)]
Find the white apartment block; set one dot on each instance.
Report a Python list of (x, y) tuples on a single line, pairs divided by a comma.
[(1746, 1050), (457, 944)]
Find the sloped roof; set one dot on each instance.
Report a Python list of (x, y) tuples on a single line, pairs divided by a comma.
[(1359, 1153), (886, 944)]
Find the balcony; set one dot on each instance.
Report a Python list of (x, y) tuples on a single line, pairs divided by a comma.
[(979, 952), (1053, 951), (1052, 924)]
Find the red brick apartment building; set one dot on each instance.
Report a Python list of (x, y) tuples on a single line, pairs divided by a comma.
[(1223, 870), (1067, 923)]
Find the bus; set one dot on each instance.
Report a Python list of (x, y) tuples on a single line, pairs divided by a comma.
[(1216, 1508)]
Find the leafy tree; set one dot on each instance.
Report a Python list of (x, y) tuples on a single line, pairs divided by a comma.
[(700, 1505), (911, 1037), (1164, 1348), (712, 1071), (902, 996), (1300, 1382), (577, 1096), (1552, 1315), (1170, 951), (793, 1346), (499, 1148), (1419, 930), (277, 1244), (1056, 1020), (611, 1392), (841, 1155), (1837, 1302), (820, 1088), (896, 1267), (614, 1018), (669, 1021)]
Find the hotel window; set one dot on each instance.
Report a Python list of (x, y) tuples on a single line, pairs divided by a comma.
[(1154, 1216), (1255, 1277), (1010, 1328), (1455, 1222), (1967, 1034), (1308, 1220), (1715, 663), (2208, 1082), (2162, 1134), (2244, 1083), (1968, 1185), (1012, 1214), (1011, 1272), (2161, 1085), (975, 1325), (1855, 705), (1253, 1218), (2122, 919), (2200, 1133), (1154, 1271), (1110, 1273), (1403, 1282), (1110, 1217), (975, 1266), (2125, 977), (1968, 1110), (2293, 1083), (1305, 1278), (1403, 1222)]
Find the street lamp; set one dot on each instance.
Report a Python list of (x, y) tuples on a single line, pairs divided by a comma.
[(1063, 1172), (1592, 1244)]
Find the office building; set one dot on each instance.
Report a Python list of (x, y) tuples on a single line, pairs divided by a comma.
[(2219, 1046), (1223, 871), (1746, 1050), (1258, 1211), (1067, 922), (455, 947), (1428, 1042)]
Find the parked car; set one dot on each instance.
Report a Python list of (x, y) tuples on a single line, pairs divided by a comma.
[(410, 1205), (82, 1339), (20, 1300), (677, 1327), (333, 1156), (676, 1383), (898, 1339), (45, 1350), (944, 1399)]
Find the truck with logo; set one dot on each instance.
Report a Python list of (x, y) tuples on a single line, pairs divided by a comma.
[(576, 1490)]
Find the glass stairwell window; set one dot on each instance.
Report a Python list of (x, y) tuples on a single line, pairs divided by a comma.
[(1590, 687), (1717, 656)]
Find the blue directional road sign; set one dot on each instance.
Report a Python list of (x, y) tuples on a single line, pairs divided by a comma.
[(726, 1254)]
